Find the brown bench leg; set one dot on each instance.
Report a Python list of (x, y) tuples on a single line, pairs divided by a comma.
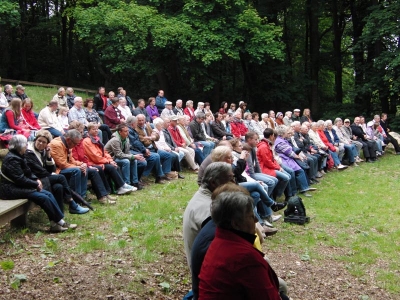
[(20, 221)]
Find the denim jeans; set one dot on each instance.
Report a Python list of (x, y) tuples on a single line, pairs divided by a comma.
[(207, 147), (265, 199), (152, 161), (48, 203), (54, 132), (335, 158), (166, 161), (285, 183), (198, 156), (312, 161), (301, 180), (351, 152), (77, 180), (128, 169), (270, 181)]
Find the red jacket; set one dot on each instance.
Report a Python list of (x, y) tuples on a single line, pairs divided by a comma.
[(266, 159), (112, 116), (176, 136), (189, 112), (325, 140), (238, 128), (30, 119), (233, 269)]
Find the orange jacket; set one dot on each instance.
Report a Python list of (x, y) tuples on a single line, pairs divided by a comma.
[(95, 154), (62, 155)]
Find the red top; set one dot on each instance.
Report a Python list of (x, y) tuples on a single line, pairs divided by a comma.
[(325, 140), (104, 98), (78, 153), (266, 159), (11, 120), (30, 119), (112, 116), (233, 269), (189, 112), (176, 135), (238, 128)]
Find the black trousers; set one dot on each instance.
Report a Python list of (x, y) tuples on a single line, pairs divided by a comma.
[(390, 139)]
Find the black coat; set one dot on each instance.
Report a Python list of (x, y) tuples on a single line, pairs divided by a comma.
[(197, 131), (357, 131), (21, 182)]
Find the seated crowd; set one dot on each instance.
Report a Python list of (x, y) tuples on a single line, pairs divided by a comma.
[(248, 165)]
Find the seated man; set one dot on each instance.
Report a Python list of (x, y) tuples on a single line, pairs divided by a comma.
[(167, 111), (119, 149), (75, 172), (369, 147), (48, 119), (77, 113), (8, 92), (61, 98), (384, 130), (148, 138), (198, 133), (101, 102), (70, 97), (20, 92), (183, 127), (218, 128), (141, 110)]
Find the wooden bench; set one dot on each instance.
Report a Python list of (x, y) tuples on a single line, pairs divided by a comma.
[(15, 211)]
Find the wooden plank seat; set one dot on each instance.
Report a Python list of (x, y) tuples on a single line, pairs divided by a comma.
[(15, 211)]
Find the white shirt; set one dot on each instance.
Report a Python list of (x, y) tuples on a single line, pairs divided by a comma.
[(48, 118)]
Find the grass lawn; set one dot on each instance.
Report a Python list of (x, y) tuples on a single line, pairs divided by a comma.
[(134, 250)]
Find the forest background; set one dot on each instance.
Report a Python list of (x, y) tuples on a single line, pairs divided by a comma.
[(337, 57)]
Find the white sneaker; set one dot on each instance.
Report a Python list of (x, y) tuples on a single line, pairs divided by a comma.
[(129, 187), (266, 223), (122, 191), (276, 217)]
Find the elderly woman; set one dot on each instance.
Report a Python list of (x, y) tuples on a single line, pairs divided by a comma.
[(333, 139), (333, 150), (18, 181), (279, 119), (238, 128), (252, 125), (42, 165), (200, 108), (168, 146), (151, 108), (374, 135), (234, 277), (125, 110), (188, 110), (288, 156), (350, 148)]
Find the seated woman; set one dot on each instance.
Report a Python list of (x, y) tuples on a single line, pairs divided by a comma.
[(373, 135), (29, 115), (286, 153), (17, 181), (349, 147), (252, 125), (151, 108), (162, 145), (189, 111), (12, 119), (93, 117), (333, 150), (42, 166), (333, 139), (234, 277), (125, 110), (96, 175), (99, 158)]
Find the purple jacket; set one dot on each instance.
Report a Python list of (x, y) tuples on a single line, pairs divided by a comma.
[(152, 112), (285, 151)]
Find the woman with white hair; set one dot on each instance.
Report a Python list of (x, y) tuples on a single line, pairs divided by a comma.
[(18, 181), (332, 137), (188, 110), (373, 135), (287, 119), (252, 125), (349, 146)]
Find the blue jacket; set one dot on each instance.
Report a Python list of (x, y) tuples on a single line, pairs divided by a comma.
[(136, 144)]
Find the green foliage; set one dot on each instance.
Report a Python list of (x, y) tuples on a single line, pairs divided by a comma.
[(9, 13)]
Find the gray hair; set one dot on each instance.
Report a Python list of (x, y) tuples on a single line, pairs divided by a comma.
[(281, 130), (220, 153), (179, 100), (230, 206), (320, 123), (77, 99), (17, 142), (73, 134), (246, 114), (69, 90), (328, 122), (264, 115), (200, 115), (216, 173), (61, 89), (337, 120), (131, 119), (189, 102), (295, 123), (288, 113), (200, 103), (141, 115), (158, 121), (7, 87)]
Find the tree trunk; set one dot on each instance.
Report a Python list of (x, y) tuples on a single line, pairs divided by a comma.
[(314, 55), (338, 18)]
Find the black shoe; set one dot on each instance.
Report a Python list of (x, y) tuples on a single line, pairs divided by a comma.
[(138, 186), (181, 176), (315, 180), (160, 180), (165, 178), (278, 206)]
